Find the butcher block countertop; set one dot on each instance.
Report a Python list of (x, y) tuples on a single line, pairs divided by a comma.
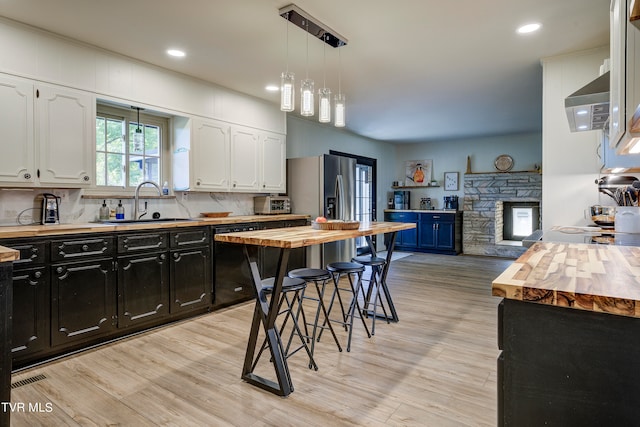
[(16, 231), (600, 278), (8, 255), (297, 237)]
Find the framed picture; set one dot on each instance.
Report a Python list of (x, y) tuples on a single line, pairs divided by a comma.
[(451, 181), (418, 172)]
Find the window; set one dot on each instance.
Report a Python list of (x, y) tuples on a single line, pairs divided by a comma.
[(120, 162)]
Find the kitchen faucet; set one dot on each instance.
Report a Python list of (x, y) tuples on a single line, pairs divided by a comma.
[(137, 212)]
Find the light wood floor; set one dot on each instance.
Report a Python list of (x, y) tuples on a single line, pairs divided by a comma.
[(436, 367)]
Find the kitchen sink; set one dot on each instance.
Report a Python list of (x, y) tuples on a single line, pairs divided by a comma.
[(145, 220)]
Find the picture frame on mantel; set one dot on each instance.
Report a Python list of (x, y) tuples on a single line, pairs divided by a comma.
[(451, 181)]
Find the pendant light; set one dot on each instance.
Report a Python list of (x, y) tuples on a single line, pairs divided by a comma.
[(324, 94), (138, 137), (287, 80), (339, 106), (307, 87)]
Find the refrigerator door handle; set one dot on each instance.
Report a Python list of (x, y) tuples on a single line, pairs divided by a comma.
[(340, 198)]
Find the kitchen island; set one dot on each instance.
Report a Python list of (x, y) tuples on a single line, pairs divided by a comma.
[(265, 313), (568, 329)]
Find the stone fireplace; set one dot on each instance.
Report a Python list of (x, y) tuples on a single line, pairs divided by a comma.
[(485, 195)]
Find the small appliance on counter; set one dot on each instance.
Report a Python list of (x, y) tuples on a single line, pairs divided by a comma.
[(451, 202), (50, 209), (401, 200), (271, 205), (425, 203)]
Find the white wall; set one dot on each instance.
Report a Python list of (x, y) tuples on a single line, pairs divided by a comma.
[(451, 156), (570, 162), (39, 55), (310, 138)]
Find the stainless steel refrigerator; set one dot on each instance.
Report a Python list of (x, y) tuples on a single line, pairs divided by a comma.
[(324, 186)]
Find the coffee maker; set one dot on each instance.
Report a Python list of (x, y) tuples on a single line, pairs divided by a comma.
[(451, 202), (401, 200), (50, 209)]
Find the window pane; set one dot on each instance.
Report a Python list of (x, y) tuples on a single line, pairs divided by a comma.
[(152, 140), (115, 169), (115, 134), (101, 169), (100, 135), (136, 171), (152, 169)]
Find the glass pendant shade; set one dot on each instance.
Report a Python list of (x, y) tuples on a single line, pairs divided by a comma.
[(306, 98), (324, 105), (287, 92), (339, 110), (138, 140)]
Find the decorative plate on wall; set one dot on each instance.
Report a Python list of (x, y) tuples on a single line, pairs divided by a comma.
[(504, 163)]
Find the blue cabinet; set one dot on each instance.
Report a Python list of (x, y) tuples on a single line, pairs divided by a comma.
[(435, 232), (405, 239)]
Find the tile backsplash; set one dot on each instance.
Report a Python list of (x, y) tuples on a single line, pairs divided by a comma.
[(21, 206)]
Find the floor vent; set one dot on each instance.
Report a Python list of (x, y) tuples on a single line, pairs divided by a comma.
[(26, 381)]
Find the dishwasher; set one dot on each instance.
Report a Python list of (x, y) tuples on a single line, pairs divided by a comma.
[(232, 278)]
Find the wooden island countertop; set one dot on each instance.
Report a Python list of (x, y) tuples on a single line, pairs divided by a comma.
[(598, 278), (8, 254), (297, 237)]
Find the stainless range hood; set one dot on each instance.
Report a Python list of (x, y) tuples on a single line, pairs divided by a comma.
[(588, 107)]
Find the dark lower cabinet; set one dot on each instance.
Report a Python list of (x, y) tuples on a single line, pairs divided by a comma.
[(31, 312), (562, 366), (191, 284), (73, 291), (83, 303), (143, 288)]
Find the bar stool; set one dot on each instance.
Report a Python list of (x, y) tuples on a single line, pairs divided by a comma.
[(292, 294), (375, 283), (353, 271), (319, 277)]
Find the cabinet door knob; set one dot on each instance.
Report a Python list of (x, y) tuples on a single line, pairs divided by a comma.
[(198, 182), (163, 257), (37, 274), (27, 175), (176, 255), (85, 247), (59, 270), (86, 178)]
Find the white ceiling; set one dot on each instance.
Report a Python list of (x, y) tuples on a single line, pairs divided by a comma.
[(413, 70)]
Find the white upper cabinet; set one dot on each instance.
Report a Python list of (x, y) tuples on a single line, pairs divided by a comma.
[(274, 154), (245, 155), (48, 133), (65, 136), (617, 47), (625, 79), (17, 162), (210, 155), (215, 156)]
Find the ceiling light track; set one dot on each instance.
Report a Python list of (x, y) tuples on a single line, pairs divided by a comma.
[(308, 23)]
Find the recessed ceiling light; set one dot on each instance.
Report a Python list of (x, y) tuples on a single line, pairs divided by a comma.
[(272, 88), (582, 112), (583, 127), (529, 28), (175, 52)]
